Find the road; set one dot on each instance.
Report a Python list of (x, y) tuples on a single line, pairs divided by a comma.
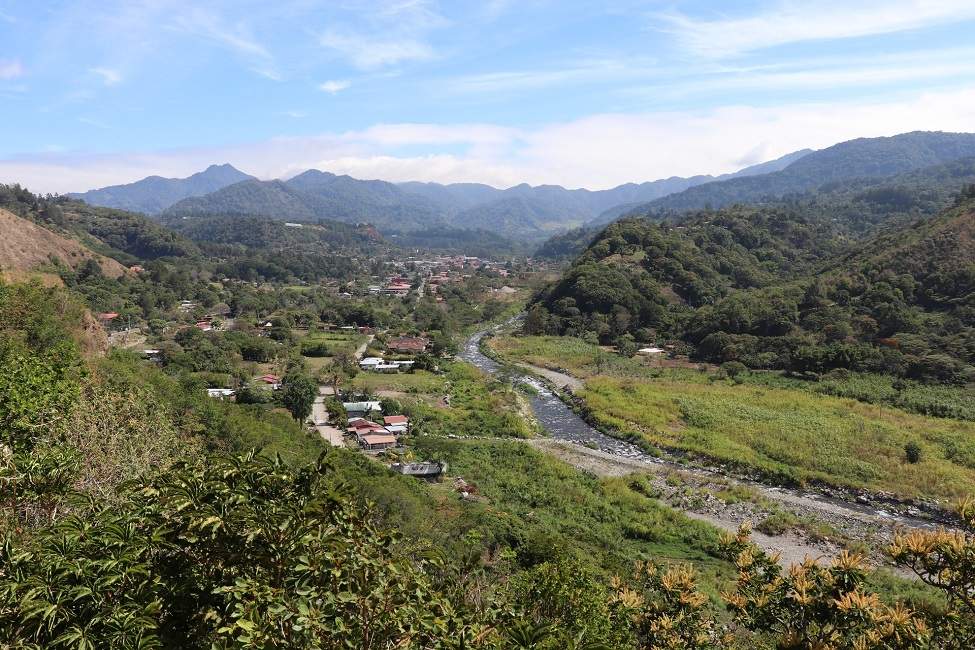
[(319, 414)]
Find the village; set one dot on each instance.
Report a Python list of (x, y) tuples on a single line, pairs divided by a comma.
[(359, 342)]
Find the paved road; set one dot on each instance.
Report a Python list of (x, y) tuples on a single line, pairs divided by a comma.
[(319, 416)]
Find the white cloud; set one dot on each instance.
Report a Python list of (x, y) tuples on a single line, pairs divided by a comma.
[(794, 22), (598, 151), (334, 85), (368, 53), (11, 69), (109, 76)]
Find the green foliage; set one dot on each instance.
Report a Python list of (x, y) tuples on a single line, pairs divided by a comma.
[(226, 553), (912, 452), (298, 392)]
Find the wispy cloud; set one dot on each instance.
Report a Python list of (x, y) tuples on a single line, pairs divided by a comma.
[(236, 36), (11, 69), (109, 76), (98, 124), (334, 85), (369, 53), (793, 22), (595, 70)]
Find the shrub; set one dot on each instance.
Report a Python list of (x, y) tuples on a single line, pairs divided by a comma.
[(912, 451)]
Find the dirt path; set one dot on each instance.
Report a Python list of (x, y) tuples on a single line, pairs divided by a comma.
[(359, 351)]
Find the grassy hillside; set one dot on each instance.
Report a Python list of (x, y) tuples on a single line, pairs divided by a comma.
[(26, 247)]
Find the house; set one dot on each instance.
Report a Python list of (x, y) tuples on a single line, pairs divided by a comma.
[(361, 407), (408, 344), (220, 393), (370, 363), (273, 380), (204, 325), (152, 354), (396, 423), (391, 367), (377, 441)]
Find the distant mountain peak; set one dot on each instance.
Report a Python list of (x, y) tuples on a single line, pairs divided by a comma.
[(154, 194)]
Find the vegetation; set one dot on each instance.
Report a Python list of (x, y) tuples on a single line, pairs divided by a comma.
[(750, 285)]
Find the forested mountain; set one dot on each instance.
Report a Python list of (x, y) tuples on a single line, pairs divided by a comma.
[(864, 158), (155, 193), (781, 287), (520, 212), (316, 195), (860, 205)]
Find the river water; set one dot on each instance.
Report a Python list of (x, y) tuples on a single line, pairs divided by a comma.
[(562, 423), (552, 413)]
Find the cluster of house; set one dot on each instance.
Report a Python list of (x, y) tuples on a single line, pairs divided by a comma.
[(397, 285), (370, 435)]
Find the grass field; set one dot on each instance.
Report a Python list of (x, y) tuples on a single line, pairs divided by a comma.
[(418, 382), (789, 428)]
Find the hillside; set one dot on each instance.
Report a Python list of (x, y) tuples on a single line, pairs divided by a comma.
[(26, 246), (254, 232), (859, 206), (315, 195), (780, 289), (154, 194), (855, 159)]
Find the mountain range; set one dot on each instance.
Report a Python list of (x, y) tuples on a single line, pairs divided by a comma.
[(861, 158), (523, 213), (519, 211)]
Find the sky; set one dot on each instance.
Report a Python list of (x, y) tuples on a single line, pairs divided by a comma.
[(576, 93)]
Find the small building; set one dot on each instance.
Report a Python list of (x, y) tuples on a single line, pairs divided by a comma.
[(152, 354), (220, 393), (377, 441), (361, 408), (413, 344), (370, 363), (650, 352)]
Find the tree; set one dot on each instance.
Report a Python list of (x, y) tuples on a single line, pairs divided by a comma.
[(912, 452), (298, 392)]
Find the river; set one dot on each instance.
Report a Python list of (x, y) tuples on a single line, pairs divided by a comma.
[(563, 424)]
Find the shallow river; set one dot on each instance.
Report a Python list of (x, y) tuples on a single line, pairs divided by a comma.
[(562, 423)]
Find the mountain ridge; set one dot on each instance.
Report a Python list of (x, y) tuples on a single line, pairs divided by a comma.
[(153, 194)]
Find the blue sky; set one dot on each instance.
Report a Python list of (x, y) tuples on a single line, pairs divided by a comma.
[(577, 93)]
